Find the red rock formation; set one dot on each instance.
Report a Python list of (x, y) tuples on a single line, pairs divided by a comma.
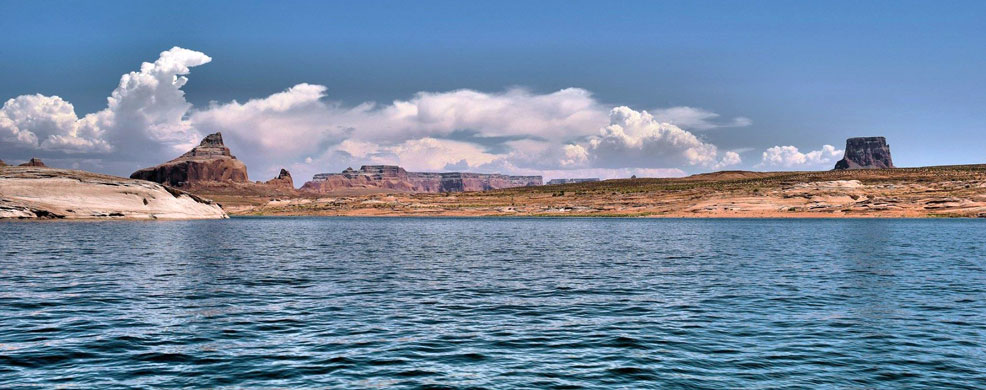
[(211, 161), (283, 180), (34, 162), (390, 177), (2, 164)]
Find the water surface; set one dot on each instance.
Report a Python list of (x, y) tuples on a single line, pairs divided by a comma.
[(494, 303)]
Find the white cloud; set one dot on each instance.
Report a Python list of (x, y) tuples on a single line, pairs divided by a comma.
[(728, 159), (460, 129), (48, 123), (144, 113), (148, 120), (610, 173), (696, 118), (791, 157), (635, 139), (149, 105), (575, 155), (505, 165), (275, 124), (427, 154)]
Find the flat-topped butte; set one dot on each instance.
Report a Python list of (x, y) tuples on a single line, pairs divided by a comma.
[(395, 178)]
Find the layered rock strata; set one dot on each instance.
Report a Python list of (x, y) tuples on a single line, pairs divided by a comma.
[(866, 153), (211, 161), (37, 192), (395, 178)]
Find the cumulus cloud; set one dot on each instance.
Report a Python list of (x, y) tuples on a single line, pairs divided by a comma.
[(144, 114), (301, 120), (637, 139), (791, 157), (515, 131), (48, 123), (559, 134)]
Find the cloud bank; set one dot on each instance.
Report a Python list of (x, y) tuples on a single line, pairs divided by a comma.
[(143, 114), (566, 133), (789, 157)]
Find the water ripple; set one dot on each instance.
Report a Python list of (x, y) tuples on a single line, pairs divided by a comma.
[(493, 303)]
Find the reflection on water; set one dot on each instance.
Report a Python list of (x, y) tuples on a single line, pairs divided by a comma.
[(494, 303)]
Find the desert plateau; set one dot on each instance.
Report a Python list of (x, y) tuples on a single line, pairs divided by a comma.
[(947, 191)]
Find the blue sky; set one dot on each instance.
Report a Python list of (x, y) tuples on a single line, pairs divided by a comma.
[(802, 74)]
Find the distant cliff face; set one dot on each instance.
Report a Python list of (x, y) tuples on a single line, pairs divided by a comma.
[(866, 153), (571, 181), (211, 161), (391, 177)]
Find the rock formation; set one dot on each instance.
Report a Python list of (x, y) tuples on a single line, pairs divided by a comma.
[(35, 192), (570, 181), (283, 180), (2, 164), (211, 161), (391, 177), (34, 162), (866, 153)]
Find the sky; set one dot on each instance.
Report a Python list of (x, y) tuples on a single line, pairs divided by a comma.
[(556, 88)]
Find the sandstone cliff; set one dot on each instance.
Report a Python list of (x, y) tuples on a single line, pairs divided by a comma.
[(866, 153), (37, 192), (394, 178), (2, 164), (211, 161)]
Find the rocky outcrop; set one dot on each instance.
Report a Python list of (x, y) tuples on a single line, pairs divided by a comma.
[(283, 180), (34, 162), (570, 181), (35, 192), (866, 153), (210, 162), (394, 178), (2, 164)]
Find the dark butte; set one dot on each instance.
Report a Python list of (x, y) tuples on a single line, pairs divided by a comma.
[(34, 162), (866, 153)]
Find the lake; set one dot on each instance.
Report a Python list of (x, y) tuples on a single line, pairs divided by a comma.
[(494, 303)]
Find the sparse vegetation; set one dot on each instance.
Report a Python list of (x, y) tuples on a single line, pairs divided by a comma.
[(898, 192)]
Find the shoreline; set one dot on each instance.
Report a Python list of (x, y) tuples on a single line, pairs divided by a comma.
[(930, 192), (607, 216), (911, 193)]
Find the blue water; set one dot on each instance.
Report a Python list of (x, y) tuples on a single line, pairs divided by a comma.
[(494, 303)]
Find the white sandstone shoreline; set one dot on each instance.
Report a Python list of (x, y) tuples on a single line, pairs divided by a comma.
[(48, 193)]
